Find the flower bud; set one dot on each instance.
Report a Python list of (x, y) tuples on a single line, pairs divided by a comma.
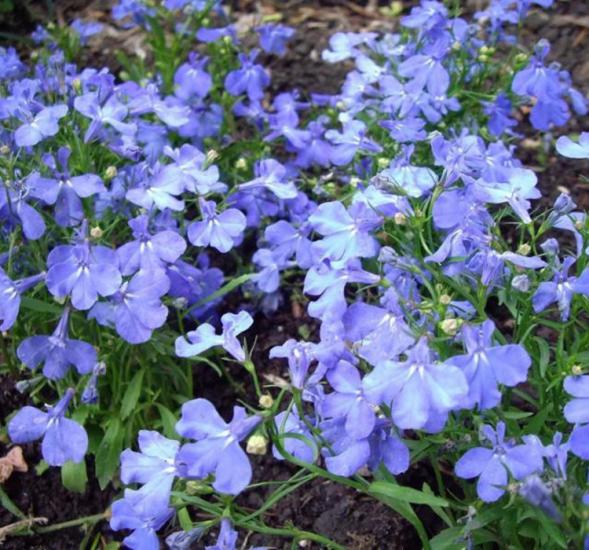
[(77, 85), (4, 150), (445, 299), (96, 232), (257, 444), (400, 218), (450, 326), (382, 162), (576, 370), (266, 401), (212, 156), (241, 163), (110, 172), (524, 249)]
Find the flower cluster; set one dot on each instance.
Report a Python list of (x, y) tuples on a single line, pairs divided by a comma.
[(398, 209)]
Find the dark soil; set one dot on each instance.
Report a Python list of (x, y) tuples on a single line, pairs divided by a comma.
[(334, 511)]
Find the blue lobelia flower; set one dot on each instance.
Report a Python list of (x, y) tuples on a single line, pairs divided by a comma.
[(268, 265), (195, 171), (15, 210), (271, 175), (160, 190), (110, 114), (493, 466), (346, 232), (273, 38), (154, 466), (219, 230), (85, 29), (499, 113), (40, 126), (90, 392), (561, 289), (63, 190), (572, 149), (419, 390), (149, 251), (378, 333), (329, 282), (217, 448), (83, 271), (426, 69), (520, 187), (63, 439), (57, 352), (250, 78), (10, 293), (486, 365), (205, 337), (347, 143), (142, 513), (136, 309), (191, 78), (577, 411), (349, 400)]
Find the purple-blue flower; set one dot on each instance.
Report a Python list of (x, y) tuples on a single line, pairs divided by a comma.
[(143, 514), (136, 309), (576, 411), (494, 466), (63, 190), (219, 230), (573, 149), (273, 38), (561, 289), (346, 232), (217, 447), (420, 390), (205, 337), (63, 439), (486, 365), (149, 251), (57, 352), (83, 271), (250, 78), (10, 293), (40, 126)]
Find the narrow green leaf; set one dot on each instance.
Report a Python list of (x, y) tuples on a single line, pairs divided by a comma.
[(132, 394), (405, 494), (168, 422), (7, 504), (109, 450), (39, 306), (74, 476)]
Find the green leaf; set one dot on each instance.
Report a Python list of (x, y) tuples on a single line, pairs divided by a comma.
[(132, 394), (449, 539), (184, 519), (517, 415), (544, 359), (7, 504), (405, 494), (168, 422), (109, 450), (74, 476), (39, 306)]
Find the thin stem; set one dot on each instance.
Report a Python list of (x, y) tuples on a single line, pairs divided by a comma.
[(73, 523)]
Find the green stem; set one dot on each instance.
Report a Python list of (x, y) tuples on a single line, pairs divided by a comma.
[(73, 523)]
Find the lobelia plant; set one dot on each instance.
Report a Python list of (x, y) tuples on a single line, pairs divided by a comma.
[(151, 218)]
